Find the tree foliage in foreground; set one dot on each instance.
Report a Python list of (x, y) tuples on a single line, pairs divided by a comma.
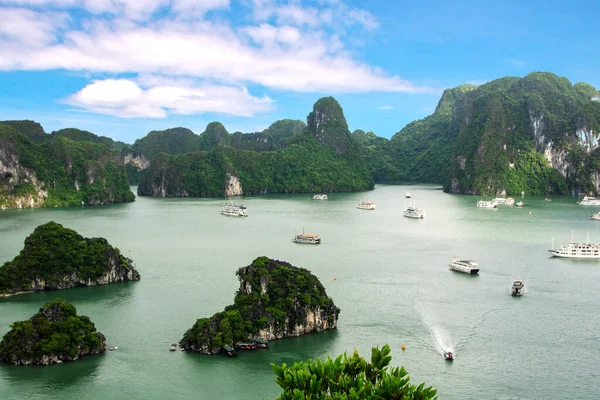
[(349, 378)]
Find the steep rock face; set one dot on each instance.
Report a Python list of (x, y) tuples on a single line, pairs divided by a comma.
[(53, 335), (58, 172), (56, 258), (534, 134), (275, 300), (233, 186), (328, 124), (19, 184)]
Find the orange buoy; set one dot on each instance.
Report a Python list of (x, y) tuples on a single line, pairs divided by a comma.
[(403, 347), (334, 278)]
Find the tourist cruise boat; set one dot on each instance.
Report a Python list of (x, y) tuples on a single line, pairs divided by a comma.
[(366, 205), (412, 211), (577, 250), (232, 210), (320, 197), (306, 238), (486, 204), (596, 216), (466, 266), (504, 201), (589, 201)]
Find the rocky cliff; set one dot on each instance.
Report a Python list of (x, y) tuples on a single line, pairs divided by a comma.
[(53, 335), (275, 300), (56, 258), (58, 172), (537, 134)]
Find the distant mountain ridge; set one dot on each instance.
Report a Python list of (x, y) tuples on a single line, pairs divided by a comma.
[(537, 134)]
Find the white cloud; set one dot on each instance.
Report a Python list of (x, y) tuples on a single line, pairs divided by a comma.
[(385, 108), (180, 63), (30, 27), (124, 98), (135, 9)]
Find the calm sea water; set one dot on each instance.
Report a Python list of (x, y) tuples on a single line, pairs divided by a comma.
[(392, 284)]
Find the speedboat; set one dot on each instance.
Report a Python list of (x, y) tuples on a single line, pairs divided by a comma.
[(173, 347), (408, 195), (448, 355), (518, 287), (521, 204), (466, 266), (486, 204)]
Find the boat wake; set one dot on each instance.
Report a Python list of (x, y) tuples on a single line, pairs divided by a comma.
[(442, 340)]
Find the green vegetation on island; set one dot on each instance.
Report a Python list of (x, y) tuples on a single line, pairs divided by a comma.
[(349, 378), (53, 335), (323, 158), (55, 257), (275, 300), (538, 134), (59, 172)]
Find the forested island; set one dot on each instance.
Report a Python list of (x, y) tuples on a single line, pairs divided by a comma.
[(55, 257), (275, 300), (53, 335), (537, 134), (40, 170)]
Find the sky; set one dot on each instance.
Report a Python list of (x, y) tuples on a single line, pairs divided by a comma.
[(120, 68)]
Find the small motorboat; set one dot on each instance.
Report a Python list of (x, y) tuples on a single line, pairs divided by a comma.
[(173, 347), (518, 287), (448, 356), (408, 195)]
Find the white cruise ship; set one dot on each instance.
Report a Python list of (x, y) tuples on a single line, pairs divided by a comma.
[(306, 238), (414, 212), (486, 204), (320, 197), (596, 216), (589, 201), (411, 211), (504, 201), (577, 250), (466, 266), (366, 205), (232, 210)]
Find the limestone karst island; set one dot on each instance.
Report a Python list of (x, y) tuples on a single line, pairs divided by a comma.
[(299, 199)]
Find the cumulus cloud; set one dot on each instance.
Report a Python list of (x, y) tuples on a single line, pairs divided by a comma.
[(182, 63), (125, 98)]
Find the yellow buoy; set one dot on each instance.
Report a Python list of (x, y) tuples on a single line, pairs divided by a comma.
[(529, 212), (403, 347)]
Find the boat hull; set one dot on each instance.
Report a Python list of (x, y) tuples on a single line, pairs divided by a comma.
[(581, 257), (465, 270), (306, 242), (414, 216)]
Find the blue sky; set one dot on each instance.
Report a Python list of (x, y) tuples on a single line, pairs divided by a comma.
[(121, 68)]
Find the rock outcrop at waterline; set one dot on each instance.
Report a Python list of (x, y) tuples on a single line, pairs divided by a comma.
[(275, 300), (53, 335), (55, 257)]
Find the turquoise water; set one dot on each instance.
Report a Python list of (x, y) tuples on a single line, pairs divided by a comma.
[(392, 284)]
